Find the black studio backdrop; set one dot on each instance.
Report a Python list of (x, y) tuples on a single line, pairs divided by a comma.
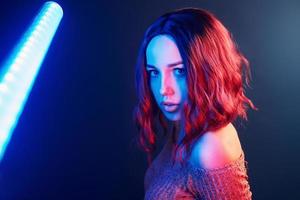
[(74, 138)]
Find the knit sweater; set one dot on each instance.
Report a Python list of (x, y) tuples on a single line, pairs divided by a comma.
[(166, 182)]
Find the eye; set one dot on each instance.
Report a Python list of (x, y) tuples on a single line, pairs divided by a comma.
[(179, 71), (153, 72)]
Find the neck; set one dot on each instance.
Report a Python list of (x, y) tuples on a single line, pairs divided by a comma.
[(178, 128)]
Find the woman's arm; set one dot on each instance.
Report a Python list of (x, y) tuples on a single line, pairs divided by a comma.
[(218, 167)]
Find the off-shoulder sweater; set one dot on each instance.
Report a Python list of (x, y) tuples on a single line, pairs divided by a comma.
[(191, 182)]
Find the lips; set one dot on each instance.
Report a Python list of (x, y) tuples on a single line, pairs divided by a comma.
[(169, 106)]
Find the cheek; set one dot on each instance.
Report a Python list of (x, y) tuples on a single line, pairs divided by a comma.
[(154, 85), (182, 87)]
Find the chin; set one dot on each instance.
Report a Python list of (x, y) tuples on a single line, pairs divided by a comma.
[(172, 116)]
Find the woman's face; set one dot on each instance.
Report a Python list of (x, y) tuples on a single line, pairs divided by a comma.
[(167, 76)]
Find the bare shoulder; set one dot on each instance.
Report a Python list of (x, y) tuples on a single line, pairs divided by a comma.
[(216, 149)]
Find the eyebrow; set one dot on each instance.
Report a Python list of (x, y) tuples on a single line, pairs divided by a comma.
[(168, 65)]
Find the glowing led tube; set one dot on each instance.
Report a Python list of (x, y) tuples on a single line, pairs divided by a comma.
[(18, 73)]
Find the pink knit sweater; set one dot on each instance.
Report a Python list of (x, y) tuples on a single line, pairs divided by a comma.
[(190, 182)]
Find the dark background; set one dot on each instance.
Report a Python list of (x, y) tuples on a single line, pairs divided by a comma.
[(74, 138)]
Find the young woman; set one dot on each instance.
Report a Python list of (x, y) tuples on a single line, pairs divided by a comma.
[(190, 74)]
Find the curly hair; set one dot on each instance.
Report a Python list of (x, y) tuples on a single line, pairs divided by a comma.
[(216, 71)]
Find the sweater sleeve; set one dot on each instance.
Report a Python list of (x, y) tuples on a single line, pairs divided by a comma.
[(228, 182)]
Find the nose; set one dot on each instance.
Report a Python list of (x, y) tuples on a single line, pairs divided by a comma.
[(167, 91), (166, 88)]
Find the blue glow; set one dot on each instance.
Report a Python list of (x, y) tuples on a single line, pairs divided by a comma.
[(20, 70)]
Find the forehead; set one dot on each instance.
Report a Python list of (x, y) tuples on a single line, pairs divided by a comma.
[(162, 50)]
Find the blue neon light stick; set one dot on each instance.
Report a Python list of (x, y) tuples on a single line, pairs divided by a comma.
[(20, 70)]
